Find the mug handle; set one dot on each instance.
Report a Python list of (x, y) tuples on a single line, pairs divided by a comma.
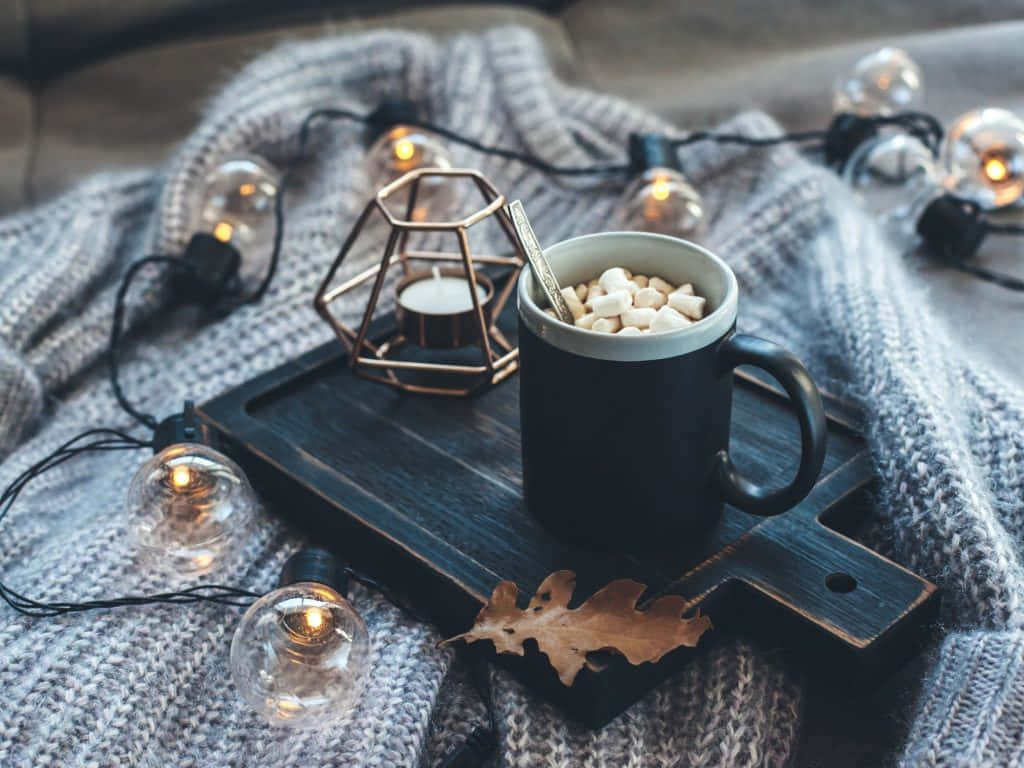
[(740, 349)]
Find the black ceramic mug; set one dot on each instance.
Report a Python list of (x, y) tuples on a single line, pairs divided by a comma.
[(625, 438)]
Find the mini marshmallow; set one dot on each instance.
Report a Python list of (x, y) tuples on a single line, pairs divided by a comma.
[(612, 304), (631, 287), (638, 318), (630, 330), (575, 305), (586, 321), (667, 319), (691, 306), (551, 313), (684, 288), (581, 291), (613, 279), (659, 284), (640, 280), (627, 273), (649, 297), (593, 292), (606, 325)]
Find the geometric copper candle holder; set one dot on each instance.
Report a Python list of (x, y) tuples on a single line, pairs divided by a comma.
[(443, 301)]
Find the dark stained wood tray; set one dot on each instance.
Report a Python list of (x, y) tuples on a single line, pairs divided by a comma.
[(425, 495)]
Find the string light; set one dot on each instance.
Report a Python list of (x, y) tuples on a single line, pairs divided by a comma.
[(885, 173), (884, 82), (897, 176), (392, 114), (983, 157), (906, 192), (402, 146), (301, 653), (660, 198), (402, 149), (236, 206), (190, 504)]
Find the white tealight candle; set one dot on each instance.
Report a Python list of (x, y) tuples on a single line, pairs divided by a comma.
[(439, 295)]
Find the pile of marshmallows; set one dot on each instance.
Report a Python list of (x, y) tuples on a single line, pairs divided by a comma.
[(630, 305)]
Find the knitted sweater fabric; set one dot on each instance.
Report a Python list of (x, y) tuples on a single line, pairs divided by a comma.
[(150, 686)]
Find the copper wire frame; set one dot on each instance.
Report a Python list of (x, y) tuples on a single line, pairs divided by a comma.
[(375, 361)]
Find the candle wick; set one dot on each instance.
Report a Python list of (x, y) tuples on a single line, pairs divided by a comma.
[(437, 272)]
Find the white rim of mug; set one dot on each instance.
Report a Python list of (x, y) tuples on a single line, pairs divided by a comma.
[(610, 346)]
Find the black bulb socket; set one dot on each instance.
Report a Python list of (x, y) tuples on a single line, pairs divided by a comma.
[(951, 228), (184, 427), (318, 566), (210, 272), (652, 150), (846, 132), (391, 111)]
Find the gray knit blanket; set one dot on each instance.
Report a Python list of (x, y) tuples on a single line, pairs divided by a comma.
[(150, 686)]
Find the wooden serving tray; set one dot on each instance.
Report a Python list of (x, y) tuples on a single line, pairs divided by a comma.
[(425, 495)]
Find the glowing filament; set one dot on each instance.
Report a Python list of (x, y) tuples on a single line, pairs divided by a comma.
[(404, 149), (181, 477), (223, 231), (314, 620), (995, 169), (660, 190), (246, 189)]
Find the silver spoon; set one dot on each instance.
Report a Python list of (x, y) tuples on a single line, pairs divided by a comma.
[(541, 269)]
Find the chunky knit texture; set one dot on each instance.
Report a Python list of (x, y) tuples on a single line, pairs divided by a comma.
[(149, 687)]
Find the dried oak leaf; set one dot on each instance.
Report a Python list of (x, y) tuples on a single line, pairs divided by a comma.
[(607, 621)]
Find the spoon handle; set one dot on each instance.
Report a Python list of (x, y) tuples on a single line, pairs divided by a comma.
[(541, 269)]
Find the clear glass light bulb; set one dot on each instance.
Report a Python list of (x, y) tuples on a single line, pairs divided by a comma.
[(983, 157), (402, 149), (237, 206), (894, 178), (662, 200), (189, 505), (882, 170), (300, 656), (882, 83)]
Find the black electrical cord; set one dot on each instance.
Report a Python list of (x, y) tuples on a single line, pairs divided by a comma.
[(117, 332), (386, 593), (1001, 279), (481, 674), (1004, 229), (377, 120), (113, 440), (482, 741), (107, 440), (923, 126), (116, 440), (286, 177), (522, 157), (974, 211), (998, 278), (797, 137)]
